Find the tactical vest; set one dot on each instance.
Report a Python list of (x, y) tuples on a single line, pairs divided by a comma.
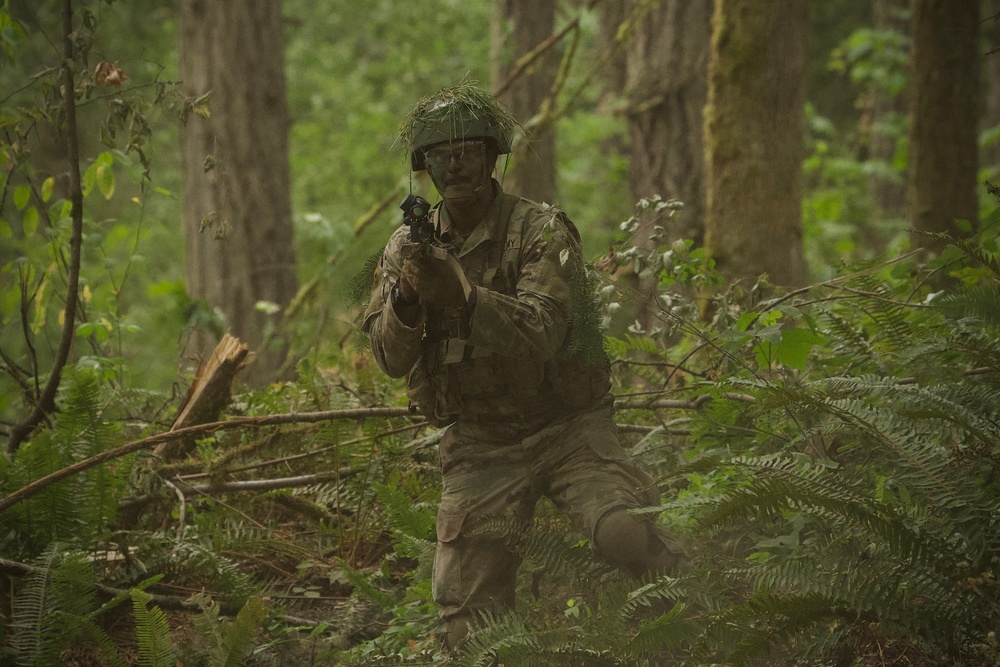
[(453, 381)]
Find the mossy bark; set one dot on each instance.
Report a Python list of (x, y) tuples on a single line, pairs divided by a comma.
[(667, 87), (754, 139), (944, 114), (236, 173), (667, 70)]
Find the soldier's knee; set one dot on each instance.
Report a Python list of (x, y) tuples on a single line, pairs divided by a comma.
[(634, 545)]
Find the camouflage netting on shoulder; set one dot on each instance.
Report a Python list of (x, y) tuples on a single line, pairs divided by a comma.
[(586, 338), (453, 105)]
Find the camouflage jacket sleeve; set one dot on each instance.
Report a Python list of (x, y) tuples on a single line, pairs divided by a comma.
[(532, 323), (395, 345)]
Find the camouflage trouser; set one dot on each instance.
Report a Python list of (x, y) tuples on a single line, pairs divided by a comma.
[(578, 463)]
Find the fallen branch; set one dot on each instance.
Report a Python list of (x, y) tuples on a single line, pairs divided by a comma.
[(695, 403), (297, 418), (264, 484), (201, 429)]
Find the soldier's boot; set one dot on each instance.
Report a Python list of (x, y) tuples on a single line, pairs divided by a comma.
[(456, 632)]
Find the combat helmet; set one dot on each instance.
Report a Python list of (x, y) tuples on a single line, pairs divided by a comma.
[(456, 113)]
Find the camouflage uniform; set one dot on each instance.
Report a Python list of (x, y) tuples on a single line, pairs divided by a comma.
[(527, 417)]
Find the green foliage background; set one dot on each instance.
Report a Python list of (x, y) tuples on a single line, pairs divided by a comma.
[(827, 457)]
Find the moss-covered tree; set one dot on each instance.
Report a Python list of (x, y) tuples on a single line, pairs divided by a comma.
[(754, 139), (667, 91), (944, 113), (237, 201)]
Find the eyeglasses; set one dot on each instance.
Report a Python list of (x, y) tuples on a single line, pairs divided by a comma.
[(466, 151)]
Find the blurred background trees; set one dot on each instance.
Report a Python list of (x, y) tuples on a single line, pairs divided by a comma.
[(614, 109), (240, 169)]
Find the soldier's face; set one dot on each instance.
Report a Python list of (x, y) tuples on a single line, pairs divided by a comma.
[(460, 168)]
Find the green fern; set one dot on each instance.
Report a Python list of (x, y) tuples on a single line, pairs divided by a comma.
[(152, 630), (56, 609), (550, 551), (977, 301), (225, 642), (80, 509)]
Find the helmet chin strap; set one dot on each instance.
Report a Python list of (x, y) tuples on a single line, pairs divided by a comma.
[(463, 192)]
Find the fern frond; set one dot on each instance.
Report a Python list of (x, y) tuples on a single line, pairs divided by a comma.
[(152, 631), (848, 340), (980, 301), (783, 616), (364, 587), (54, 608), (239, 636), (505, 638), (360, 286), (404, 514), (547, 550), (913, 452)]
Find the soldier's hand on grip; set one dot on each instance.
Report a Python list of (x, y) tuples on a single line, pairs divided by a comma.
[(436, 281)]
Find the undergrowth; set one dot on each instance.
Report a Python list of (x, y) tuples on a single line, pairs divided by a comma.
[(827, 460)]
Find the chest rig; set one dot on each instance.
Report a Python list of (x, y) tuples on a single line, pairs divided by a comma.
[(454, 379), (497, 272)]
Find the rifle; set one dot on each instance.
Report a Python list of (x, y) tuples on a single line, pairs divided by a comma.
[(417, 216)]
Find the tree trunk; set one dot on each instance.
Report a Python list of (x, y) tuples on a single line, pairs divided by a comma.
[(237, 196), (991, 41), (519, 27), (754, 137), (944, 114), (667, 91), (667, 87), (613, 76)]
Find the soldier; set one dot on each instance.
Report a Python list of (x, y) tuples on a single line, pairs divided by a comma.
[(484, 325)]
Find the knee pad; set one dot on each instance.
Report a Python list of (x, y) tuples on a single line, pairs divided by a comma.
[(633, 544)]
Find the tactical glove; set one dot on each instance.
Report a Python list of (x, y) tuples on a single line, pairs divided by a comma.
[(439, 282)]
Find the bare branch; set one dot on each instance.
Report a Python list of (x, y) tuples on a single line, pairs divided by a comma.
[(47, 400)]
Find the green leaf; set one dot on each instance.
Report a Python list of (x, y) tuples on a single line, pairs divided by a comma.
[(764, 353), (152, 632), (106, 180), (5, 231), (47, 186), (30, 222), (21, 195), (89, 179), (793, 350), (746, 319)]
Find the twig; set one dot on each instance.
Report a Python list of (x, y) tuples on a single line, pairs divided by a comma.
[(266, 484), (181, 513), (639, 428), (303, 455), (695, 403)]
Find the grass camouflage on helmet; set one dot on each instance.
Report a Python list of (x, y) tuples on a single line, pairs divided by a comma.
[(456, 113)]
